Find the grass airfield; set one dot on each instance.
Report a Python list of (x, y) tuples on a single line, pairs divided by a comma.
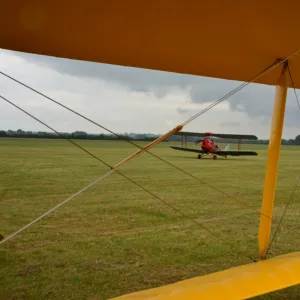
[(115, 238)]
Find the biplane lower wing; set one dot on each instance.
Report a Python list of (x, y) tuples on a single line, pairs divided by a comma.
[(221, 153), (241, 282), (235, 153), (190, 150)]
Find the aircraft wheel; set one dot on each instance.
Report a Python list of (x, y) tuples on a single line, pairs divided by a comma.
[(215, 157), (199, 156)]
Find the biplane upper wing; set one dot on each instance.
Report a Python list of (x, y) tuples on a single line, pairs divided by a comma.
[(235, 136), (220, 135)]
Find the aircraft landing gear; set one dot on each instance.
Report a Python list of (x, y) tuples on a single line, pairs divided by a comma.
[(215, 157), (199, 156)]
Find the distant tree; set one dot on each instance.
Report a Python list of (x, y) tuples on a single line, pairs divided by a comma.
[(3, 133), (126, 136), (297, 140), (20, 132), (79, 135)]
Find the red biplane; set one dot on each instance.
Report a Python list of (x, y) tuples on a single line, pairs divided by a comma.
[(209, 147)]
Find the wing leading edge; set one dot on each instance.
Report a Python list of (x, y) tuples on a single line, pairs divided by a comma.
[(241, 282)]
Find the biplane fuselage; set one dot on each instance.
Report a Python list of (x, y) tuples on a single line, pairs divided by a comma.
[(209, 146)]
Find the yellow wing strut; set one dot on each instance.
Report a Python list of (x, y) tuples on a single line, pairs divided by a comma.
[(272, 163)]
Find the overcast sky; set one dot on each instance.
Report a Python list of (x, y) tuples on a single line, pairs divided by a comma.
[(132, 100)]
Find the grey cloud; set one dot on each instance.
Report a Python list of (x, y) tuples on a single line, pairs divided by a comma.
[(230, 124), (182, 111), (255, 100), (210, 89), (138, 80), (258, 101)]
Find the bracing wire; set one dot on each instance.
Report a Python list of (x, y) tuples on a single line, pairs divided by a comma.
[(57, 206), (282, 216), (260, 74), (263, 72), (100, 160), (276, 63), (103, 162), (295, 92), (132, 143), (229, 94), (52, 129), (102, 177)]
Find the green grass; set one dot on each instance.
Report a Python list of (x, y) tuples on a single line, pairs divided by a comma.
[(115, 238)]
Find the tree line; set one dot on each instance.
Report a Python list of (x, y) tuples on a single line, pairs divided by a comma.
[(82, 135)]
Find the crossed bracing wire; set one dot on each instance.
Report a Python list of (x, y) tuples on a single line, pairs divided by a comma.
[(275, 64), (99, 179)]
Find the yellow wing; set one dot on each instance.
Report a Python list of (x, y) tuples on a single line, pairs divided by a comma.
[(242, 282), (183, 36)]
